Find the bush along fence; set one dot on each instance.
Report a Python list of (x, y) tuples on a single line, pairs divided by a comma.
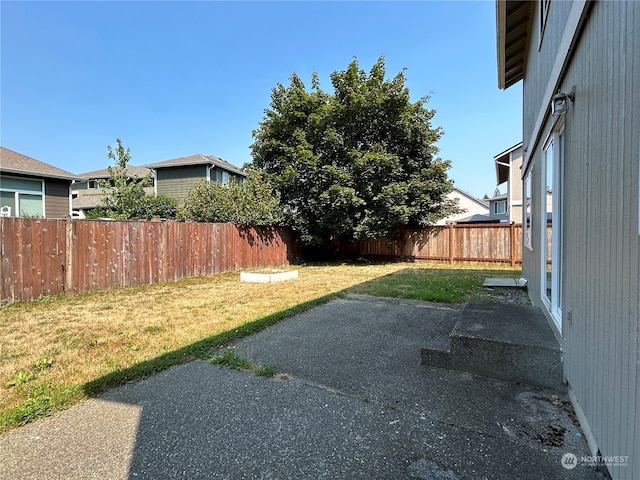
[(49, 257), (492, 242)]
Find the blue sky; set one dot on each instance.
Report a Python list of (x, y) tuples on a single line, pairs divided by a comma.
[(173, 79)]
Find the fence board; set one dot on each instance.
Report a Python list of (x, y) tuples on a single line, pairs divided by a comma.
[(53, 257)]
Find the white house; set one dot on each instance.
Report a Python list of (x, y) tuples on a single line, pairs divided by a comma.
[(473, 207)]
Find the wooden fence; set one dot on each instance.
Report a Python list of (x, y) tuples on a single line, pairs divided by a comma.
[(493, 242), (48, 257)]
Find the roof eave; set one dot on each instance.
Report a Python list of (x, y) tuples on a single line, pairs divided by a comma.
[(210, 163), (512, 35), (502, 162), (502, 173), (470, 197), (16, 171), (505, 153)]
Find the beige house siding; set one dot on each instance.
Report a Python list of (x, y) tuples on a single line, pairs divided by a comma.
[(514, 192), (469, 205), (176, 182)]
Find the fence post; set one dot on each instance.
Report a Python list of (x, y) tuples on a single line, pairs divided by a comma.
[(512, 231), (68, 256), (451, 244)]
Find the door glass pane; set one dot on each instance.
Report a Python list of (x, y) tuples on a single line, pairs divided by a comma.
[(30, 205), (548, 218), (527, 212)]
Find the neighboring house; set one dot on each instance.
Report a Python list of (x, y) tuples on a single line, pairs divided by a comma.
[(88, 195), (31, 188), (474, 210), (498, 207), (509, 205), (580, 67), (175, 178)]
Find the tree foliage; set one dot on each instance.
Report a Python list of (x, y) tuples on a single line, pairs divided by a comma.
[(157, 206), (361, 162), (123, 193), (124, 196), (252, 201)]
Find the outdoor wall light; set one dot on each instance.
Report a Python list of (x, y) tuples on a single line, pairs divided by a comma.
[(560, 102)]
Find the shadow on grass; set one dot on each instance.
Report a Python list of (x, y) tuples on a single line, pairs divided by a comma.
[(444, 284), (46, 399), (202, 349)]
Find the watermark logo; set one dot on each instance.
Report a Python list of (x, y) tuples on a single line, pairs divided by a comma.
[(611, 460), (569, 461)]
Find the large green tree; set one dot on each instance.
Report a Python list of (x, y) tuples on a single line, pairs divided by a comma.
[(361, 162)]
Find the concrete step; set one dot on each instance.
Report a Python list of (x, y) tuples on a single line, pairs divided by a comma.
[(508, 342)]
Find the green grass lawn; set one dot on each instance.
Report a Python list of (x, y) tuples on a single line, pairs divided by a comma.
[(58, 351), (448, 285)]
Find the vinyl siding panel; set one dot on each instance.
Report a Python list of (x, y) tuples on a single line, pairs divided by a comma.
[(601, 263), (56, 201), (530, 259), (540, 60), (601, 359), (176, 182)]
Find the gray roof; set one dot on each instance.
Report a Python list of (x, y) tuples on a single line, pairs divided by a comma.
[(479, 201), (197, 159), (14, 162), (87, 201), (502, 196), (132, 171), (478, 218), (92, 200)]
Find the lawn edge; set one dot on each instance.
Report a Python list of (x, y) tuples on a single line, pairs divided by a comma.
[(47, 404)]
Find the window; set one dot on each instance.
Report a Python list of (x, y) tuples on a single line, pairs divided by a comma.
[(551, 222), (544, 13), (500, 207), (92, 184), (22, 197), (547, 218), (222, 177), (527, 211)]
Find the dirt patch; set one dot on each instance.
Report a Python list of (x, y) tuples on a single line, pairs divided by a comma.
[(508, 295)]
